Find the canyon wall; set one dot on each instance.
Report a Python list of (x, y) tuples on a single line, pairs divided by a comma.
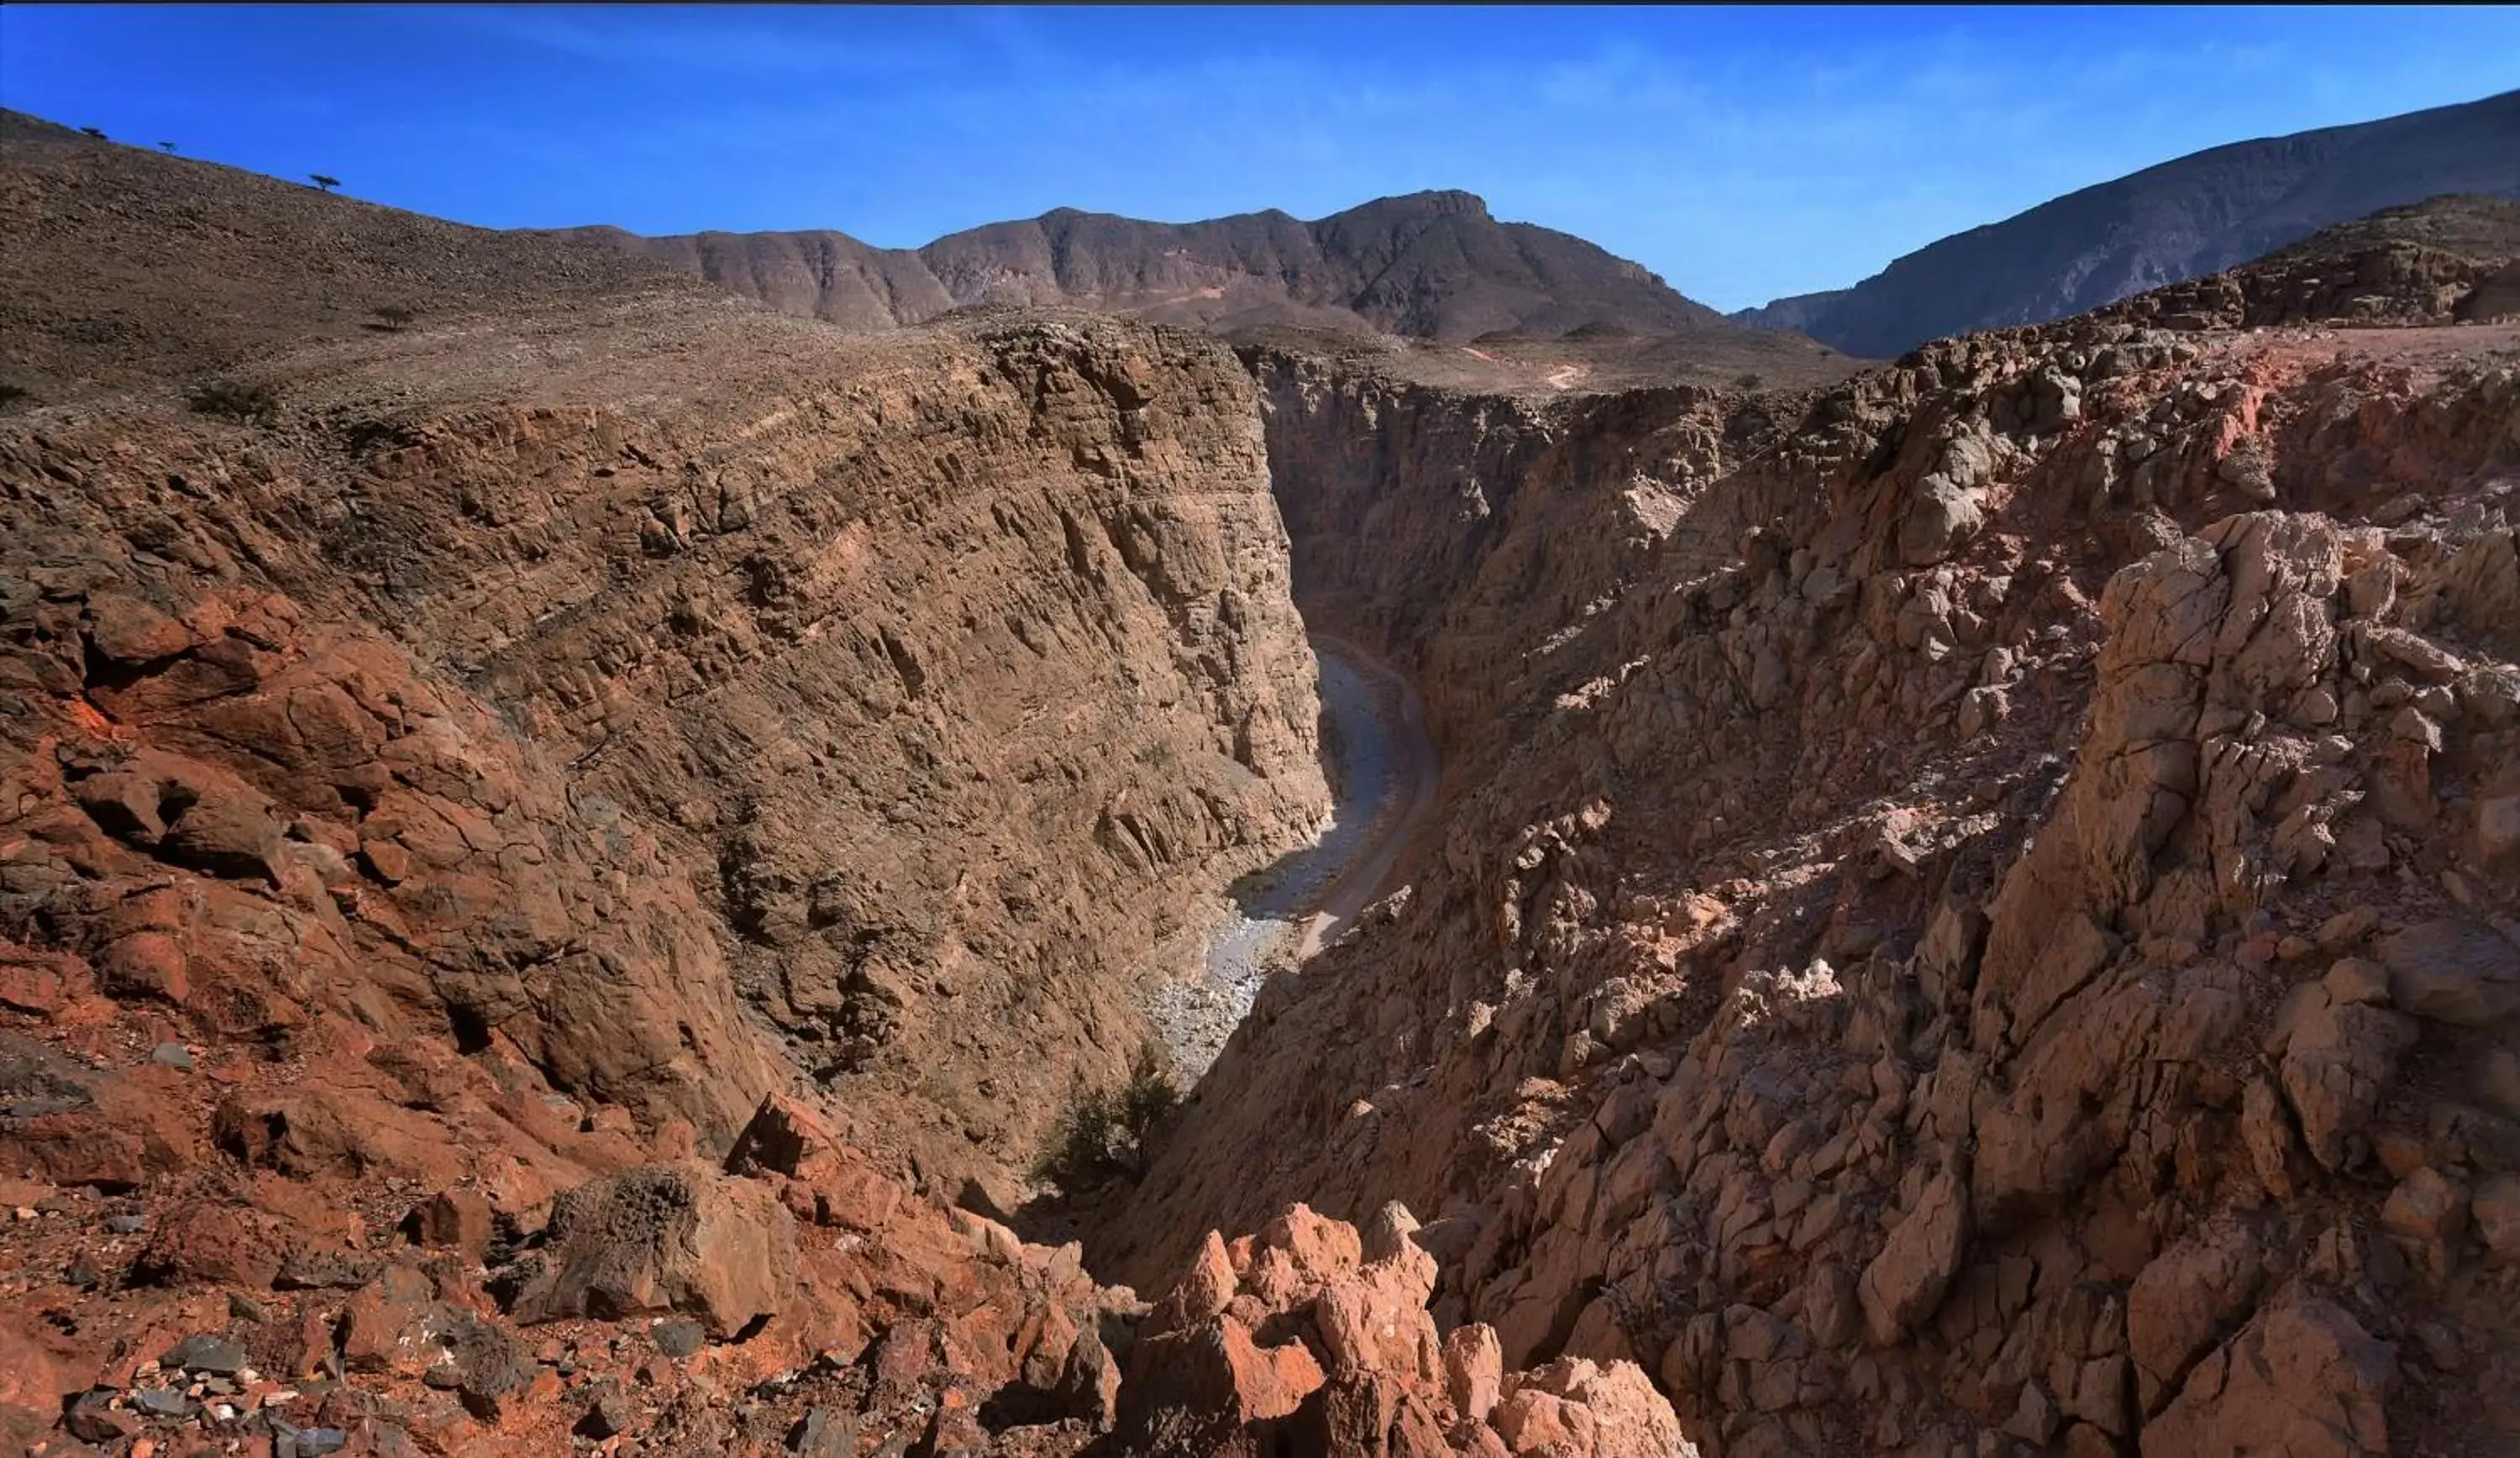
[(1976, 916), (602, 825), (945, 675), (1470, 537)]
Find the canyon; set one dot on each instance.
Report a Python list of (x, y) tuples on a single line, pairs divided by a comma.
[(562, 854)]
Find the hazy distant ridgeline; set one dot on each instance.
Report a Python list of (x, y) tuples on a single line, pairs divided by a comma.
[(2183, 219)]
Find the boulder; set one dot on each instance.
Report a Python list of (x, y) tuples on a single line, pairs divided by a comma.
[(1906, 1282), (201, 1242), (666, 1238), (2453, 971), (2495, 1209), (2181, 1305), (2304, 1379), (456, 1220), (1615, 1404), (1941, 518), (2338, 1058), (2424, 1213)]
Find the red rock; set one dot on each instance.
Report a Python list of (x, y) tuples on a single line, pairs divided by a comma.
[(907, 1354), (29, 988), (782, 1135), (381, 1325), (833, 1184), (1205, 1290), (660, 1238), (1265, 1382), (457, 1220), (1532, 1421), (2304, 1379), (206, 1242), (676, 1139), (292, 1346), (1473, 1370), (1616, 1401), (386, 860), (1320, 1247), (130, 631), (311, 1129), (39, 1367), (148, 964), (956, 1425)]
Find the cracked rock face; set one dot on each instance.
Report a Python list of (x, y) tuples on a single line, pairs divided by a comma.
[(874, 727), (438, 814), (1918, 989)]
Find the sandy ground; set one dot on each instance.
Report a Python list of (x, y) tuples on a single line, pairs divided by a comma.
[(1388, 781)]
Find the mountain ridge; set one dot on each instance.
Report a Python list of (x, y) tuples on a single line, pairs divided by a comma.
[(2177, 220), (1433, 264)]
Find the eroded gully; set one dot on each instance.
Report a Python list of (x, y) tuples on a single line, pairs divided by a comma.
[(1388, 780)]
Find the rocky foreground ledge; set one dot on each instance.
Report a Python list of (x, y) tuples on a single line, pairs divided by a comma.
[(790, 1298)]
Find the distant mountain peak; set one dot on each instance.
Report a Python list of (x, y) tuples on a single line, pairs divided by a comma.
[(2177, 220), (1441, 200), (1431, 264)]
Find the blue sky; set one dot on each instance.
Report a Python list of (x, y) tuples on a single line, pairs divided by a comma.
[(1740, 152)]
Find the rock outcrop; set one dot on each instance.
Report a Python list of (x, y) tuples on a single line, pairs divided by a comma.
[(1930, 989), (1307, 1338), (2453, 259)]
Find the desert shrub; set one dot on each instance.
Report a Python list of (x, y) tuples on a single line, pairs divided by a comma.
[(1079, 1143), (1103, 1131), (11, 394), (1149, 1095), (233, 399), (1750, 380), (395, 316), (166, 146), (327, 184), (97, 132)]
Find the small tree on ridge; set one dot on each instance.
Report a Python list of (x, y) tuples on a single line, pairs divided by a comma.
[(327, 184)]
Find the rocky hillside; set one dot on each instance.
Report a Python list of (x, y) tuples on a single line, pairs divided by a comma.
[(1978, 910), (1430, 265), (2446, 260), (544, 846), (185, 267), (2182, 219), (556, 857)]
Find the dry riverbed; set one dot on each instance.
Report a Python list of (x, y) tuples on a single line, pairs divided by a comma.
[(1387, 779)]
